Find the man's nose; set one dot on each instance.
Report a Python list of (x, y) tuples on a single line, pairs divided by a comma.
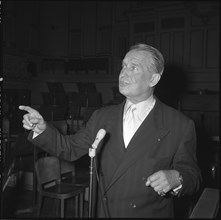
[(124, 71)]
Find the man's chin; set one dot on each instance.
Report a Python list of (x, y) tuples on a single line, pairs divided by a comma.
[(123, 90)]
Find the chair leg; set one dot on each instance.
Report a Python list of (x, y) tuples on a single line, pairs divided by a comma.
[(62, 208), (81, 204), (40, 201), (76, 206), (57, 201)]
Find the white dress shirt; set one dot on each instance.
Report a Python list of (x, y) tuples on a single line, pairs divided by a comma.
[(142, 110)]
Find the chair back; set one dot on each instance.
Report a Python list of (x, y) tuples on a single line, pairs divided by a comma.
[(47, 170), (67, 167), (73, 112)]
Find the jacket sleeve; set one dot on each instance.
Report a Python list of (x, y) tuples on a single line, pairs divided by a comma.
[(185, 161), (69, 147)]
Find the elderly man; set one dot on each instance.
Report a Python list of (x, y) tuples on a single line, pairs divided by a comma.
[(148, 155)]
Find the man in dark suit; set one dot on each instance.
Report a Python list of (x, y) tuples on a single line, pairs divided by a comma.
[(141, 168)]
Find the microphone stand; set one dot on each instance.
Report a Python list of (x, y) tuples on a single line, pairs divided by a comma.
[(92, 152)]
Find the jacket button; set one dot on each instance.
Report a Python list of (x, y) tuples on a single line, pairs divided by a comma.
[(104, 198)]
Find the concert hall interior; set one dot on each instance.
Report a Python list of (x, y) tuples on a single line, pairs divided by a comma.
[(63, 58)]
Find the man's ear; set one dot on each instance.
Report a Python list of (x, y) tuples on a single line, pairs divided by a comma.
[(155, 79)]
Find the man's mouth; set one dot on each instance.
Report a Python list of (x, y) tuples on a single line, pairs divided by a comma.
[(123, 83)]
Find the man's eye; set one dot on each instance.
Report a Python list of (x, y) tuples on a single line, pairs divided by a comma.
[(129, 67)]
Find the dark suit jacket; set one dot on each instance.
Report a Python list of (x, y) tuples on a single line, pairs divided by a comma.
[(165, 140)]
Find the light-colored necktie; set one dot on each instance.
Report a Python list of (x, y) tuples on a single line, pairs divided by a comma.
[(129, 124)]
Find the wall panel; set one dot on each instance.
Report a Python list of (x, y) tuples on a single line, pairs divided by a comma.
[(196, 49), (165, 46), (178, 48), (212, 49)]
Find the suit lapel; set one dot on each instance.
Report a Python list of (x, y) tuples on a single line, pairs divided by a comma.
[(151, 132), (115, 125)]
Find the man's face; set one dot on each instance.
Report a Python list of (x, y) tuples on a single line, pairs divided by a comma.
[(135, 78)]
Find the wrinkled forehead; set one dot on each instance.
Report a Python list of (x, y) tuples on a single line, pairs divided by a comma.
[(139, 56)]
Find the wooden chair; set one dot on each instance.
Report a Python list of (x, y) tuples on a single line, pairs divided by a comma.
[(70, 175), (76, 178), (77, 100), (50, 185), (25, 155)]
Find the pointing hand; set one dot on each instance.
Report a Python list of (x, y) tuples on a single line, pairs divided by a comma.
[(33, 120)]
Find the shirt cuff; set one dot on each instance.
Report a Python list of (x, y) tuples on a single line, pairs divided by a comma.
[(34, 135), (177, 189)]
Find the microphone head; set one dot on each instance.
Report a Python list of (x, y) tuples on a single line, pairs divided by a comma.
[(100, 134)]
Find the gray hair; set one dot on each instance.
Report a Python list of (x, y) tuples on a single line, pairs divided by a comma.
[(157, 64)]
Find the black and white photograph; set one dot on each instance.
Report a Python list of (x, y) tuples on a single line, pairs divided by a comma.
[(110, 109)]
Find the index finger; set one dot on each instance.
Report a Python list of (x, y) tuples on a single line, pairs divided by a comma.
[(26, 108), (152, 178)]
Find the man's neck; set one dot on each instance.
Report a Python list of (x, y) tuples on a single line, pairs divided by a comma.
[(135, 101)]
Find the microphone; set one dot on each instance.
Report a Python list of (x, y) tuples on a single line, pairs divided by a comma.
[(100, 135), (92, 152)]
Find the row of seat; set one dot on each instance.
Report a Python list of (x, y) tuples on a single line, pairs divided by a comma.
[(72, 98)]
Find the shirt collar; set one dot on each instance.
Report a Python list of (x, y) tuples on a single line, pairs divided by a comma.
[(143, 108)]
